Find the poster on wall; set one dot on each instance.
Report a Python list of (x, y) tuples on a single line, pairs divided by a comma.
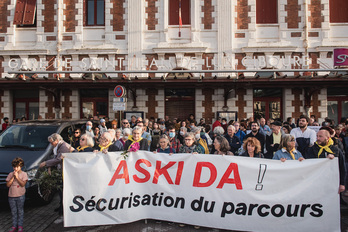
[(129, 114)]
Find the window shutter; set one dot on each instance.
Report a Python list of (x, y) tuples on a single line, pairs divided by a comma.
[(29, 13), (19, 12), (266, 11), (338, 11)]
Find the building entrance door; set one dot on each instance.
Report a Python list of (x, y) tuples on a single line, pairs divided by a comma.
[(180, 103), (94, 102)]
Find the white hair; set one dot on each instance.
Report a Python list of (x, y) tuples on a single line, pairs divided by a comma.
[(219, 130), (127, 131)]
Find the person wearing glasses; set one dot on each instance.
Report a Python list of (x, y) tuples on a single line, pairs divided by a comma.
[(190, 145), (76, 138), (125, 124), (106, 144), (86, 143), (287, 150)]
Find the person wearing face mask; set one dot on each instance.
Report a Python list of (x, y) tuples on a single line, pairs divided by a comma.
[(201, 140), (224, 124), (182, 133), (174, 142), (89, 128), (126, 132)]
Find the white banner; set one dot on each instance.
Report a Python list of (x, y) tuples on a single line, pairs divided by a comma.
[(226, 192)]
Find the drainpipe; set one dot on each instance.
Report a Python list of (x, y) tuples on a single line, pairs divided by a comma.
[(59, 43), (307, 107)]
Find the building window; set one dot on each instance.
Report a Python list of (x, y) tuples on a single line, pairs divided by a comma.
[(338, 11), (175, 8), (266, 11), (337, 104), (25, 13), (95, 12), (26, 104), (267, 103), (94, 102)]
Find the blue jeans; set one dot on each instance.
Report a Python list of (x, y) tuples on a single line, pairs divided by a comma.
[(17, 210)]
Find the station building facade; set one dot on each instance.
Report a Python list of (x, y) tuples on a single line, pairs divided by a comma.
[(93, 38)]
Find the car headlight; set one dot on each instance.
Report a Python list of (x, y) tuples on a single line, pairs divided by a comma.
[(31, 173)]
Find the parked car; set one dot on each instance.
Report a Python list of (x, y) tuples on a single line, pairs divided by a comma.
[(28, 140)]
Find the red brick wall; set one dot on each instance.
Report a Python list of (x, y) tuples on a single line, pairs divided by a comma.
[(70, 12), (242, 18), (50, 106), (210, 57), (297, 103), (117, 15), (314, 56), (49, 12), (208, 19), (315, 103), (3, 15), (151, 104), (241, 103), (293, 19), (66, 103), (151, 10), (208, 105), (239, 57), (315, 7), (149, 58)]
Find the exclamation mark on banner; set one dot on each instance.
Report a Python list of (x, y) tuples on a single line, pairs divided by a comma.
[(262, 171)]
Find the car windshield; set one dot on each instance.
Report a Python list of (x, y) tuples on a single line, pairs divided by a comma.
[(27, 136)]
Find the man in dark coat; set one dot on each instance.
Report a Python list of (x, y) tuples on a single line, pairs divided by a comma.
[(232, 139), (273, 140), (255, 132), (324, 148)]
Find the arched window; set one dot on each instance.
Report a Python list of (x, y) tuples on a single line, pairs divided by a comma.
[(266, 11), (175, 6), (338, 11)]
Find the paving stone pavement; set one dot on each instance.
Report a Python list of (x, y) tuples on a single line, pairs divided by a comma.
[(44, 219), (36, 218)]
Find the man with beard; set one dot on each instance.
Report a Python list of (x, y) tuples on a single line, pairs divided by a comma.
[(305, 137), (273, 140), (325, 148), (255, 132)]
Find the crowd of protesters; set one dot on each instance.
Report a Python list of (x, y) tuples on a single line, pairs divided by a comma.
[(271, 139)]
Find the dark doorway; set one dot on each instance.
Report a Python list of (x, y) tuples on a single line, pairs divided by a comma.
[(180, 103)]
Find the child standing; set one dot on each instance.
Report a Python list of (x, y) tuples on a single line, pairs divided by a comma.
[(16, 181), (164, 145)]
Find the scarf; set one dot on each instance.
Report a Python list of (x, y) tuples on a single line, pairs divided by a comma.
[(133, 141), (204, 145), (291, 152), (186, 149), (79, 148), (326, 147), (102, 148)]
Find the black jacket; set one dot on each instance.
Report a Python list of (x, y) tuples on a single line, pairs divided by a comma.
[(269, 148), (234, 143), (256, 155), (313, 151), (259, 136)]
